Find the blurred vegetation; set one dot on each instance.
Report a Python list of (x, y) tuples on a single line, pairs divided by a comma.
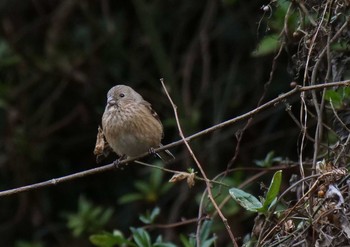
[(57, 61)]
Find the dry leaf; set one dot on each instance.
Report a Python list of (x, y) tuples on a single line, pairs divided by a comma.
[(100, 142), (190, 178), (102, 148), (178, 177)]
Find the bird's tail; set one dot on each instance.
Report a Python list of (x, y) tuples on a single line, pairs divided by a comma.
[(165, 155)]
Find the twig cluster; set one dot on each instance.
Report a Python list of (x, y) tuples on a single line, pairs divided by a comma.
[(318, 215)]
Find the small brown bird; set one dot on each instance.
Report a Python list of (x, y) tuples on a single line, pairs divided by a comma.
[(130, 125)]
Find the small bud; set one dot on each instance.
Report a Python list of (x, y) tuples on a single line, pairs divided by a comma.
[(293, 84)]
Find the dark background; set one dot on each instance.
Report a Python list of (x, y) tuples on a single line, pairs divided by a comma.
[(58, 59)]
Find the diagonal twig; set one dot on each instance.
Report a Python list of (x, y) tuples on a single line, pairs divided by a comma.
[(208, 184)]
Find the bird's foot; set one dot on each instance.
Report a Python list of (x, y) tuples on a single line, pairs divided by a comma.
[(116, 163), (152, 152)]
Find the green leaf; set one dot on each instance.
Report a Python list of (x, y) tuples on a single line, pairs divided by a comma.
[(155, 213), (143, 186), (267, 45), (187, 242), (141, 237), (245, 199), (335, 97), (156, 178), (149, 218), (208, 242), (205, 231), (269, 160), (106, 216), (131, 197), (159, 243), (102, 240), (107, 239), (346, 92), (88, 218), (163, 245), (273, 191)]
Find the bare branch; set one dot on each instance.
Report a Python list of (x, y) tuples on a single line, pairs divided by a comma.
[(207, 182), (109, 167)]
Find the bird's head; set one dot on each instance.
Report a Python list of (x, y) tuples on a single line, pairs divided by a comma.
[(122, 93)]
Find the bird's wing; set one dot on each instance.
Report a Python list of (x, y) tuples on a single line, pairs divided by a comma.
[(154, 114)]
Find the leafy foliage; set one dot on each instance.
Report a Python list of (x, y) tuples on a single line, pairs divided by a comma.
[(149, 218), (339, 97), (107, 239), (149, 190), (269, 160), (88, 218), (142, 238), (251, 203)]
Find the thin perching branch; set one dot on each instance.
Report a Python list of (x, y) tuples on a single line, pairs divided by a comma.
[(231, 121)]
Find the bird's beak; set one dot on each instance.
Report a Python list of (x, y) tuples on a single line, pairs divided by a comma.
[(111, 101)]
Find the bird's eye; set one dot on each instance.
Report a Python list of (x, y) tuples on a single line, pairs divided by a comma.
[(121, 95)]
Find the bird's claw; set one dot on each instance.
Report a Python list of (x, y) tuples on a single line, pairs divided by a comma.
[(151, 151), (116, 163)]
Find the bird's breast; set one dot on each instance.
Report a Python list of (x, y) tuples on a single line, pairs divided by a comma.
[(131, 130)]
